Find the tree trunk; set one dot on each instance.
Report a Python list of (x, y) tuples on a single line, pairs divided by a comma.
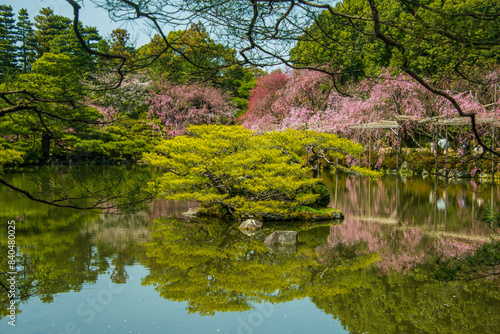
[(46, 138)]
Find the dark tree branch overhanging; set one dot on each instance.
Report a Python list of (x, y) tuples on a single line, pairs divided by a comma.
[(76, 15), (101, 204), (32, 104)]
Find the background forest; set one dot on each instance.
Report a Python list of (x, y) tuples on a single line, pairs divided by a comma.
[(63, 102)]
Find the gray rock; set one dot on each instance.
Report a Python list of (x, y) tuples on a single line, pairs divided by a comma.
[(250, 224), (281, 238)]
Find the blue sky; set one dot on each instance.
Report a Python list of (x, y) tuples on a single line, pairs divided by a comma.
[(89, 16)]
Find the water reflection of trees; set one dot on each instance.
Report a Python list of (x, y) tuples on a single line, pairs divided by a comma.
[(120, 238), (400, 303), (61, 250), (216, 268), (416, 202), (400, 247), (343, 269), (53, 256), (353, 271)]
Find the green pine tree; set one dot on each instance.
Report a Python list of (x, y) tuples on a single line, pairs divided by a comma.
[(8, 40), (48, 27), (55, 34), (26, 50)]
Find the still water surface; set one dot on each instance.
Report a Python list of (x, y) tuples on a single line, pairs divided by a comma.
[(82, 272)]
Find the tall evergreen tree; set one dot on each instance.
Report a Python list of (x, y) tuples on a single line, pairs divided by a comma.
[(25, 33), (8, 39), (67, 43), (48, 27), (54, 34)]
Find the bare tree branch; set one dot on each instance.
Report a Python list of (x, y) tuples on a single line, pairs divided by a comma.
[(76, 14)]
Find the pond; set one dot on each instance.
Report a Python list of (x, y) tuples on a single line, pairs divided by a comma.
[(156, 272)]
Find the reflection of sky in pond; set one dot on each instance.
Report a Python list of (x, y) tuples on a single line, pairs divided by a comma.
[(106, 307)]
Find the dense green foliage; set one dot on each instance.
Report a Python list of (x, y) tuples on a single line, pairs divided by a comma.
[(441, 38), (26, 51), (58, 103), (7, 40), (244, 174)]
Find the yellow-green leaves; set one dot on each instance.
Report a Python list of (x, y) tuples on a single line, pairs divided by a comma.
[(9, 156), (244, 173)]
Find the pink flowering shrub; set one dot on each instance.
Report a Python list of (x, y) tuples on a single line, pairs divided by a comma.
[(306, 99), (109, 114), (263, 114), (177, 106)]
